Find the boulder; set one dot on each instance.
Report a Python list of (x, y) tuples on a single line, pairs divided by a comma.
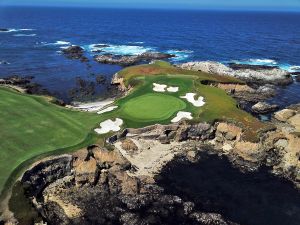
[(256, 74), (295, 122), (4, 29), (263, 108), (248, 151), (236, 66), (298, 78), (284, 114), (228, 131), (73, 52), (164, 139), (129, 145), (128, 60), (201, 131)]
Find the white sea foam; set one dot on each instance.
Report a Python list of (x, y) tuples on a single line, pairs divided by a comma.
[(16, 30), (182, 115), (268, 62), (24, 35), (57, 43), (4, 62), (180, 55), (62, 43), (120, 49), (190, 97), (109, 125), (137, 42), (260, 62)]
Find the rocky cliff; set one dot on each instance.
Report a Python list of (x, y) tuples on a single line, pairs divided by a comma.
[(243, 72)]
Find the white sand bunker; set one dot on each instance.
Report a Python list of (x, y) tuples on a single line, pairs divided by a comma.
[(162, 88), (182, 115), (190, 97), (159, 87), (173, 89), (109, 125), (108, 109), (93, 106)]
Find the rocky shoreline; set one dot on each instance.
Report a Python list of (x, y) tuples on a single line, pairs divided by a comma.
[(248, 73), (63, 188), (100, 186)]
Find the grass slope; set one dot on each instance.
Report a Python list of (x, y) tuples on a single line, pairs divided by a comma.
[(219, 105), (31, 126), (163, 68)]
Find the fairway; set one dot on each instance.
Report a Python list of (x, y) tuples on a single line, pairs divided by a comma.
[(31, 126), (152, 107)]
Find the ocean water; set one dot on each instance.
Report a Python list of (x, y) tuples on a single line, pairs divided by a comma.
[(36, 37), (256, 198)]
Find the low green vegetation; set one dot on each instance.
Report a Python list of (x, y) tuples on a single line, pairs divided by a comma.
[(219, 105), (31, 126), (146, 108), (163, 68)]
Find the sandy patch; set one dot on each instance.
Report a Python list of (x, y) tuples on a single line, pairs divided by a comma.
[(182, 115), (72, 211), (108, 109), (190, 97), (159, 87), (109, 125), (92, 106), (151, 156), (173, 89), (162, 88)]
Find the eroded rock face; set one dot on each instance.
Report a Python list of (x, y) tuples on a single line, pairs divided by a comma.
[(128, 60), (284, 114), (46, 172), (110, 197), (74, 52), (250, 74), (245, 93), (263, 108)]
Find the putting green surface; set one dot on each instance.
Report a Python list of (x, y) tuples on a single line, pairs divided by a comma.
[(152, 107), (31, 126)]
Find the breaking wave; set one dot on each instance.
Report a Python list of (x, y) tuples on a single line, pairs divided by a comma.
[(268, 62)]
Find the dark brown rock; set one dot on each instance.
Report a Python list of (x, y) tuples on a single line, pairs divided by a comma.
[(73, 52), (131, 60)]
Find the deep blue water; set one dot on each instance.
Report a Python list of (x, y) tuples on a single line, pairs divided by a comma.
[(249, 37)]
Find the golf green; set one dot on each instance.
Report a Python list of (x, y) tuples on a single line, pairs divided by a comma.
[(152, 107)]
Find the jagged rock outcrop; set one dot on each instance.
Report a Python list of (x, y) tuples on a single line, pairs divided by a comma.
[(246, 94), (253, 74), (263, 108), (110, 197), (24, 84), (75, 52), (129, 60), (46, 172), (284, 114)]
